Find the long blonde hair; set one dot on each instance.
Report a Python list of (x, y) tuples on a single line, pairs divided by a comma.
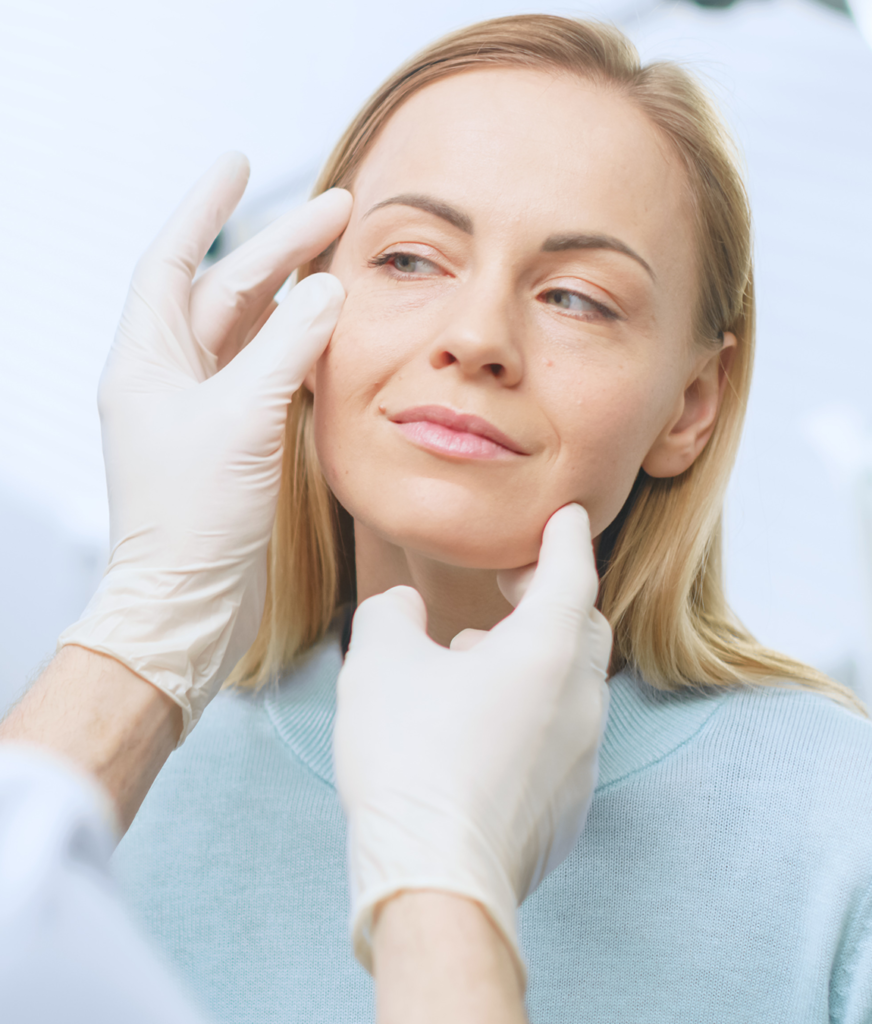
[(662, 585)]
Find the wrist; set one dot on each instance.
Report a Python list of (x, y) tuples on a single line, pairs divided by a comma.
[(181, 631), (106, 720), (399, 847), (438, 956)]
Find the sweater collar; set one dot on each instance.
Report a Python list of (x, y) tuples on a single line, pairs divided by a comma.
[(303, 706), (644, 725)]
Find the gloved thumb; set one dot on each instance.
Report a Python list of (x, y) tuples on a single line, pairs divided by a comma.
[(561, 590), (292, 340), (466, 639)]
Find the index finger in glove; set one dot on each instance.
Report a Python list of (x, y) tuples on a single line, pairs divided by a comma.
[(563, 587), (229, 299), (565, 574), (170, 262)]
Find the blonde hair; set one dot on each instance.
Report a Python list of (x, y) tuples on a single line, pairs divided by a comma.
[(662, 585)]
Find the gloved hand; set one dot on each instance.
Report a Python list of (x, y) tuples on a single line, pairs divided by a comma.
[(193, 421), (472, 771)]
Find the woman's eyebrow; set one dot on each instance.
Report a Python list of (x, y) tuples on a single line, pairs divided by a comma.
[(463, 222), (455, 217), (560, 243)]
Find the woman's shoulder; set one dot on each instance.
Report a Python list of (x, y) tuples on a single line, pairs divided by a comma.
[(798, 720), (783, 739), (802, 746)]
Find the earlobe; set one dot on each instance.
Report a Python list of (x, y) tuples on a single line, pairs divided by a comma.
[(310, 378), (695, 415)]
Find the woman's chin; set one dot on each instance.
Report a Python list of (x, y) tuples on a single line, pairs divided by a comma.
[(456, 525), (463, 557), (463, 544)]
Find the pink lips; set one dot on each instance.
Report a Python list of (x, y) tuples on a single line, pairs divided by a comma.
[(452, 433)]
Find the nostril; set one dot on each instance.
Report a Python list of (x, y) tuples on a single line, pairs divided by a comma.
[(496, 369)]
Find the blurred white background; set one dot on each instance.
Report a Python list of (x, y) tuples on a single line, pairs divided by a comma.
[(109, 111)]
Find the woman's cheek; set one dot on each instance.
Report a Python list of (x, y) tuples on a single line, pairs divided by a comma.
[(607, 425), (363, 354), (370, 336)]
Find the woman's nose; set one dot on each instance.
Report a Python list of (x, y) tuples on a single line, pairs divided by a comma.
[(480, 338)]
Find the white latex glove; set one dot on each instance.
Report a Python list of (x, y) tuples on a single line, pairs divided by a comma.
[(193, 421), (472, 771)]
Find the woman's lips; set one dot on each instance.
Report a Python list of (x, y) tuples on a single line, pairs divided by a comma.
[(451, 433)]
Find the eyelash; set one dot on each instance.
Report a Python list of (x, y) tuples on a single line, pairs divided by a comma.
[(386, 257)]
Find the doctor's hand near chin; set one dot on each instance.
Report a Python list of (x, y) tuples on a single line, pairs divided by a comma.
[(193, 404), (466, 776)]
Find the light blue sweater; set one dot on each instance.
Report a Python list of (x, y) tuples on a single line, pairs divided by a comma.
[(724, 875)]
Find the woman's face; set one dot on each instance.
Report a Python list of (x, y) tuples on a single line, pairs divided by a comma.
[(519, 269)]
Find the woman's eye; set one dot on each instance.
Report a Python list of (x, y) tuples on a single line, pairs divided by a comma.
[(405, 263), (575, 302)]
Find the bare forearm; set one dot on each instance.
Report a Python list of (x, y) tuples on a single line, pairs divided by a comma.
[(106, 719), (438, 958)]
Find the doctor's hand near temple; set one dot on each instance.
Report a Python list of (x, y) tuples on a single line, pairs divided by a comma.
[(465, 774)]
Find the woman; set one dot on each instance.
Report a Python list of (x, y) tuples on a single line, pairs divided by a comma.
[(549, 299)]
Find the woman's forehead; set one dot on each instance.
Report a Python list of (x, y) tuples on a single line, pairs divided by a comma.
[(515, 147)]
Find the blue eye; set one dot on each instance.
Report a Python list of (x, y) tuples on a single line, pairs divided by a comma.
[(575, 302), (405, 263)]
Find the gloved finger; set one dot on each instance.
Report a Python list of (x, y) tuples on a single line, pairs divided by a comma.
[(513, 583), (231, 296), (291, 340), (566, 571), (395, 621), (255, 328), (466, 639), (601, 638), (564, 584), (168, 265)]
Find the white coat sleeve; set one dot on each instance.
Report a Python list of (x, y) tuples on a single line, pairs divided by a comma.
[(68, 951)]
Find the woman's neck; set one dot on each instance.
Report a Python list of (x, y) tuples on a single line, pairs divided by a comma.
[(456, 598)]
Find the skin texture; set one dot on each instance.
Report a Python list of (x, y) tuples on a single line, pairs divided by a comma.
[(437, 958), (105, 719), (475, 317)]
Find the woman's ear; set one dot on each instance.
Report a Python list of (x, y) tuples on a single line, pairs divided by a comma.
[(695, 416), (311, 377)]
